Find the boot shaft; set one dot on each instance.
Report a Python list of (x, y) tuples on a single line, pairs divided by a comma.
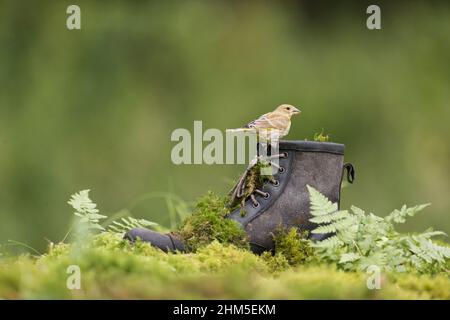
[(286, 200)]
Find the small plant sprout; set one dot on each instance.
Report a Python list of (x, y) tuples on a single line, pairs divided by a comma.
[(321, 137), (86, 210)]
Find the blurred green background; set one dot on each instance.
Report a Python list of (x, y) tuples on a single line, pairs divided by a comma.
[(95, 108)]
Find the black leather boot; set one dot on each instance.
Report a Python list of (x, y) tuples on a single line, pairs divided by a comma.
[(166, 242), (282, 202)]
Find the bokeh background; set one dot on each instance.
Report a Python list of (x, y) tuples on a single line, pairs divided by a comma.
[(95, 108)]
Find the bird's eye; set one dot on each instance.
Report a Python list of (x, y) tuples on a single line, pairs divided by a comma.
[(288, 108)]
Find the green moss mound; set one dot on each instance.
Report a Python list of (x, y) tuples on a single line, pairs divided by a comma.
[(291, 249), (113, 268), (208, 223)]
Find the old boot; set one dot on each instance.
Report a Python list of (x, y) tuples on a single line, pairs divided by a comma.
[(166, 242), (284, 201)]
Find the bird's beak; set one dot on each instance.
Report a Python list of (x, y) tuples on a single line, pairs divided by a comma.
[(295, 111)]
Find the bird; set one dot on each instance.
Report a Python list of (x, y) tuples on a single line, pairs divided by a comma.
[(272, 125)]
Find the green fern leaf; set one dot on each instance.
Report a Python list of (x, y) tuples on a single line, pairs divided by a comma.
[(128, 223), (330, 228), (331, 242), (319, 204), (349, 257), (330, 217), (86, 210), (399, 216)]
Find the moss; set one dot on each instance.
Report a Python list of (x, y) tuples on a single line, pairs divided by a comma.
[(291, 249), (276, 262), (321, 137), (114, 268), (217, 257), (293, 246), (254, 180), (208, 223)]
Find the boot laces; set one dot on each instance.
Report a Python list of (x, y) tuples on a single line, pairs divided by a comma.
[(238, 191)]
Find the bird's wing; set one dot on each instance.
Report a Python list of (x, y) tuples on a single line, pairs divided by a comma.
[(271, 120), (253, 123)]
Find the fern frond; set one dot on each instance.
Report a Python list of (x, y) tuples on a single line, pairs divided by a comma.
[(128, 223), (330, 217), (378, 258), (319, 204), (331, 242), (344, 224), (399, 216), (349, 257), (360, 240), (328, 228), (430, 233), (358, 211), (86, 210)]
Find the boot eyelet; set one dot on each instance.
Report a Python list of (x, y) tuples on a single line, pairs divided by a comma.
[(255, 205), (267, 195), (281, 170), (276, 183)]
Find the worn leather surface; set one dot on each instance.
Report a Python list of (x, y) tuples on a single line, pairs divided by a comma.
[(317, 164), (165, 242)]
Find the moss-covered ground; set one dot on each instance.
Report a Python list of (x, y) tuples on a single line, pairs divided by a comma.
[(218, 265), (114, 268)]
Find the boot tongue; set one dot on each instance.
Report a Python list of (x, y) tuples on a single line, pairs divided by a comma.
[(248, 183)]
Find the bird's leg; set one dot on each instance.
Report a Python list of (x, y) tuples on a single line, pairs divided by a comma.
[(263, 151)]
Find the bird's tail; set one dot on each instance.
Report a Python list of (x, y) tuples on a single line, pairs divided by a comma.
[(241, 130)]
